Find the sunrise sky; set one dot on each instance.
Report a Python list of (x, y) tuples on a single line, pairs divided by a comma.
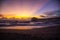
[(26, 8)]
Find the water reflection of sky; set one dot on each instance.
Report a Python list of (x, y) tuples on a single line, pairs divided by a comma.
[(21, 27)]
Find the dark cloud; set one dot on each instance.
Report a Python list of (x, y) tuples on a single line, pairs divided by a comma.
[(53, 14)]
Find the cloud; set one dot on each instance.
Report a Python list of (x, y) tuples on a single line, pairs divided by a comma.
[(52, 14)]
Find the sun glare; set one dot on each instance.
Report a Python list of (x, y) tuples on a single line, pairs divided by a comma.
[(22, 16)]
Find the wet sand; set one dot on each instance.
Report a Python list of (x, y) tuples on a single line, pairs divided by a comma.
[(46, 33)]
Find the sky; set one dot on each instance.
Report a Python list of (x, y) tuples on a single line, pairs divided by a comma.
[(27, 8)]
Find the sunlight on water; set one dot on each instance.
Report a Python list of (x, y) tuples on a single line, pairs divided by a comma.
[(21, 27)]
